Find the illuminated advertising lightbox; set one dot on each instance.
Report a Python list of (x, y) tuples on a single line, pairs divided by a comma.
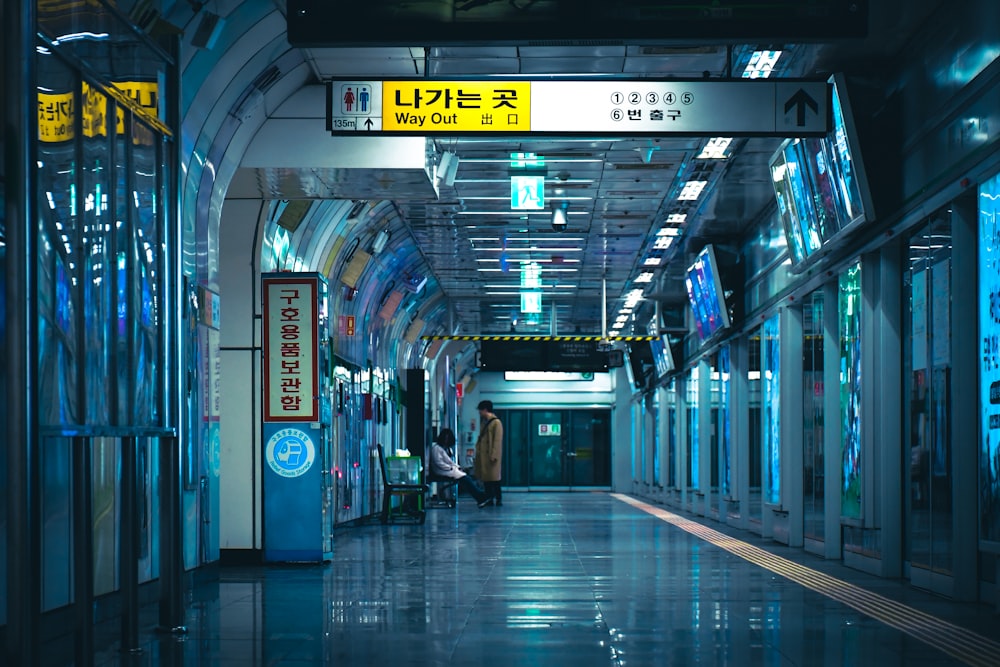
[(989, 359)]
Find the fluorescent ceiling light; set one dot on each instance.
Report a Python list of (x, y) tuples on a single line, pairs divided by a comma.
[(669, 231), (761, 64), (530, 249), (677, 217), (652, 261), (715, 149), (522, 215), (492, 198), (691, 190), (662, 242), (645, 277), (548, 160)]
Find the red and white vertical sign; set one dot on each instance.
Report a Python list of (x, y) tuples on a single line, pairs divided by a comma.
[(291, 371)]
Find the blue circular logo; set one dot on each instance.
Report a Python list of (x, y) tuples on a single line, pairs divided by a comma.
[(290, 452)]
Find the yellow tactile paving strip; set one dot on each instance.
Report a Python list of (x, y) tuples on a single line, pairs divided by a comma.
[(962, 644)]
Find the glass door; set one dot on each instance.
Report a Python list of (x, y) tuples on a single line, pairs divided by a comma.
[(927, 371), (556, 447), (813, 391)]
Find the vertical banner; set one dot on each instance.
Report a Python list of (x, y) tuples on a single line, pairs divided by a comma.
[(989, 360), (291, 364)]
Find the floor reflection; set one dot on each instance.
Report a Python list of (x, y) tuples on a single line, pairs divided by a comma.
[(548, 579)]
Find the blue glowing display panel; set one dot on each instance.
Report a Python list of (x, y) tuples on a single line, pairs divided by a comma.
[(989, 363), (770, 346), (663, 358), (819, 183), (705, 294)]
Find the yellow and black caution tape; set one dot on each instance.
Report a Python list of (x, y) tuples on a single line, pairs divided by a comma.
[(568, 339)]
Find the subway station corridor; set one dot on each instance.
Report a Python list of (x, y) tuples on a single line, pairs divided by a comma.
[(560, 579)]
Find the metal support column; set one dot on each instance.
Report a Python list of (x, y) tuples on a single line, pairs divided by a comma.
[(965, 415), (792, 465), (21, 486)]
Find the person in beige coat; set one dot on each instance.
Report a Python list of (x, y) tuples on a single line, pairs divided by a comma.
[(489, 452)]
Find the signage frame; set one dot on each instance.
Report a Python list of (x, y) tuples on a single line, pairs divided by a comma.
[(793, 100)]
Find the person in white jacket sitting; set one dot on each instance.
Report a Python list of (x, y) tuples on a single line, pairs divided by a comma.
[(442, 465)]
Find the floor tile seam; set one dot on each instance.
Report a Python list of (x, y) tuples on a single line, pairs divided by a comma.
[(947, 637), (616, 654)]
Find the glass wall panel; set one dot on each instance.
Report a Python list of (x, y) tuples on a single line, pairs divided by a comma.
[(850, 390), (812, 415), (589, 442), (771, 404), (105, 471), (927, 365), (656, 438), (121, 278), (97, 258), (692, 428), (633, 412), (146, 254), (989, 363), (755, 430), (643, 438), (672, 434), (57, 522), (111, 48), (58, 245), (725, 437), (148, 497), (3, 396)]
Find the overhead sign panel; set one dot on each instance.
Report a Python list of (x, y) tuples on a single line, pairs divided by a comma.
[(425, 107)]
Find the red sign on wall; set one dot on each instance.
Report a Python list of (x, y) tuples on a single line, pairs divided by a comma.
[(291, 372)]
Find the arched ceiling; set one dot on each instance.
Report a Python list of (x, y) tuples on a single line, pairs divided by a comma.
[(253, 117)]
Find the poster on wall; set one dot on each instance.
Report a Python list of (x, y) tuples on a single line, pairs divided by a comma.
[(989, 361), (850, 391), (771, 400)]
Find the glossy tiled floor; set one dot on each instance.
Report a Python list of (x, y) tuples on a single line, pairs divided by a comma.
[(547, 579)]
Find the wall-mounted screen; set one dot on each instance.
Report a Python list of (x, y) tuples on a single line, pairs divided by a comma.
[(542, 355), (704, 289), (641, 363), (819, 183), (663, 358)]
